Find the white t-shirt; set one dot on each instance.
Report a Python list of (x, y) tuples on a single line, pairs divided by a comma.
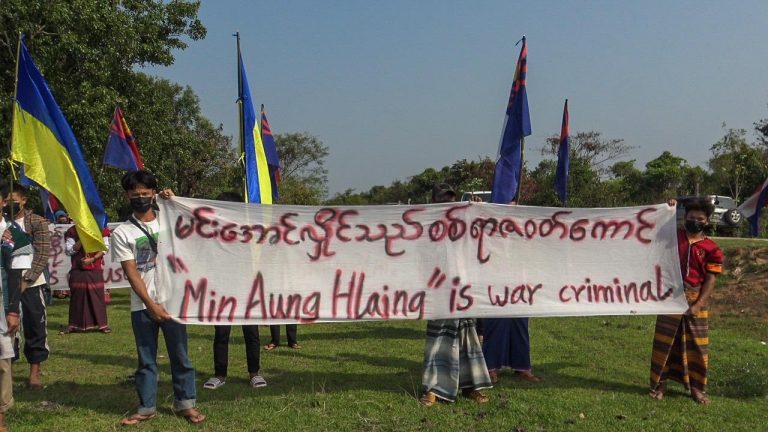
[(130, 243), (25, 261), (6, 343)]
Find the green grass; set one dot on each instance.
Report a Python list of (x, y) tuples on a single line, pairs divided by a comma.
[(730, 243), (366, 376)]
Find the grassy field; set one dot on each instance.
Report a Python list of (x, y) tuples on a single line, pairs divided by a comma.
[(366, 377)]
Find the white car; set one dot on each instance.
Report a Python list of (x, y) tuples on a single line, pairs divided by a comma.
[(484, 196), (726, 215)]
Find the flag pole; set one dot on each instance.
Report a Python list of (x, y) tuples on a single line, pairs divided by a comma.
[(241, 116), (13, 123), (522, 168)]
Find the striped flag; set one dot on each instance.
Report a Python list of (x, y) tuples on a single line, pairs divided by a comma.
[(563, 160), (122, 151), (517, 125), (273, 160), (752, 207), (45, 144), (257, 178)]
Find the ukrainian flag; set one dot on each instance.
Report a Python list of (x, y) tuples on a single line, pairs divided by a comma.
[(257, 173), (43, 141)]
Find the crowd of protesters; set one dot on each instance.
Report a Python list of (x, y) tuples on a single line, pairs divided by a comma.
[(461, 356)]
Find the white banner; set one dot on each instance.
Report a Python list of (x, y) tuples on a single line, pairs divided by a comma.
[(59, 263), (233, 263)]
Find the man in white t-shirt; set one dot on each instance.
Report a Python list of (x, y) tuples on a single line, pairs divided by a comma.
[(134, 245)]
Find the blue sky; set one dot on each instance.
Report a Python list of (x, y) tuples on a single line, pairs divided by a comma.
[(393, 87)]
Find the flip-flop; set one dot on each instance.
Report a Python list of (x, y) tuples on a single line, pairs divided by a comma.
[(700, 398), (213, 383), (192, 415), (136, 419), (269, 347), (294, 346), (258, 381)]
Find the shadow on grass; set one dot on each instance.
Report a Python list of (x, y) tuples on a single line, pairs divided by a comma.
[(357, 331), (347, 357)]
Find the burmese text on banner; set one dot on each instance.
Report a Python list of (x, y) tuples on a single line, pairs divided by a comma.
[(233, 263)]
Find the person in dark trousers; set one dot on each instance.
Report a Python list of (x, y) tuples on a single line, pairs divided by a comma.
[(34, 285), (221, 340), (290, 332)]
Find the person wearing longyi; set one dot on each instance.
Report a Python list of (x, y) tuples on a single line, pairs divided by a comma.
[(453, 356), (681, 342)]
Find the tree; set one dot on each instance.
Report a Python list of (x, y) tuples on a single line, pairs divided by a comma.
[(184, 150), (736, 164), (302, 161), (87, 50), (591, 148), (663, 176)]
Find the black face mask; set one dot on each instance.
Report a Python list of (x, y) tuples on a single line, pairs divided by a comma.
[(694, 227), (13, 209), (141, 204)]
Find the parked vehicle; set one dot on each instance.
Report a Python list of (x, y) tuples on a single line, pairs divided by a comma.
[(726, 217), (484, 196)]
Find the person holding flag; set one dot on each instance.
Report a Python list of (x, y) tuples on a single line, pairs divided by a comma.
[(506, 343)]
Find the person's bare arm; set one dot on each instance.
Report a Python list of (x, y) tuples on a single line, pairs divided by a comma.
[(706, 291), (156, 312)]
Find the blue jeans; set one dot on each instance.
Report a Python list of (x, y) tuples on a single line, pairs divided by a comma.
[(145, 331)]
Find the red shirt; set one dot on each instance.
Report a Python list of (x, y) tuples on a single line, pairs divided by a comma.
[(698, 258), (79, 255)]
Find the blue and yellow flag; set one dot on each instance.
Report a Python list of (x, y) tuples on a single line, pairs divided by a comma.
[(273, 160), (45, 144), (257, 173)]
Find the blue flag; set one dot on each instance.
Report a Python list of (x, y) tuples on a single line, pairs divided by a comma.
[(563, 160), (517, 124)]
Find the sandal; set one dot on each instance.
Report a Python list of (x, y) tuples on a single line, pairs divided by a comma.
[(136, 419), (105, 330), (213, 383), (294, 346), (527, 376), (191, 415), (475, 395), (428, 399), (494, 376), (269, 347), (658, 392), (700, 397), (258, 381)]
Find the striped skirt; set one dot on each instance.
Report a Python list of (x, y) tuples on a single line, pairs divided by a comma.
[(681, 348), (453, 359), (87, 308)]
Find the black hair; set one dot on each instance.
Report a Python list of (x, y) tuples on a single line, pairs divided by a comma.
[(5, 188), (20, 189), (702, 204), (132, 180), (230, 196)]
